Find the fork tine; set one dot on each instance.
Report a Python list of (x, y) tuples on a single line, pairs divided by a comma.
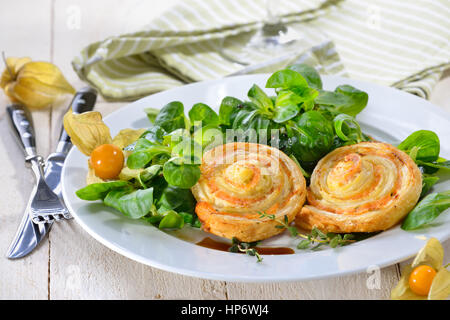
[(46, 206)]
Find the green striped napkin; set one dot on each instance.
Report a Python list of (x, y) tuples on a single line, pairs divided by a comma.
[(404, 44)]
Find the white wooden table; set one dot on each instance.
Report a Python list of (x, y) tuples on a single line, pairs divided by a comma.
[(70, 264)]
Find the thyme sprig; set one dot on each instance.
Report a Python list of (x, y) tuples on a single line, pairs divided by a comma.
[(245, 247), (315, 237)]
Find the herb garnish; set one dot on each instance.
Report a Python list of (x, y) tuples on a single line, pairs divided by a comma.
[(245, 247), (316, 236)]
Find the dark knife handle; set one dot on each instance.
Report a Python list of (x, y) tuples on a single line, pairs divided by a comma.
[(83, 101), (22, 126)]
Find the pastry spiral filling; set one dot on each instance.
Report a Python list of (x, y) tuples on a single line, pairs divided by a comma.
[(239, 181), (361, 179), (246, 179)]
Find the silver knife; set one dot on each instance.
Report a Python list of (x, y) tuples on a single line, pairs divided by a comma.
[(83, 101), (30, 234)]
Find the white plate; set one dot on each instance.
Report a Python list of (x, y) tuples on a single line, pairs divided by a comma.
[(391, 115)]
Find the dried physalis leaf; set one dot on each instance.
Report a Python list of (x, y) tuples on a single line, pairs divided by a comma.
[(431, 254), (128, 174), (126, 137), (35, 84), (86, 130), (440, 288)]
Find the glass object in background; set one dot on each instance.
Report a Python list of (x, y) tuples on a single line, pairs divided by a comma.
[(272, 39)]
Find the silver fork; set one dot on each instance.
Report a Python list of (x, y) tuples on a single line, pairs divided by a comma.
[(45, 205)]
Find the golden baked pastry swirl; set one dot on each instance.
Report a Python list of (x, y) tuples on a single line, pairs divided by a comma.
[(239, 181), (365, 187)]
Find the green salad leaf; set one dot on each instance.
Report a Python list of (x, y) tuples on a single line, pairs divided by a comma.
[(344, 99), (141, 157), (135, 204), (260, 99), (154, 133), (286, 79), (148, 174), (311, 138), (228, 106), (209, 136), (309, 73), (190, 219), (171, 117), (175, 198), (98, 191), (427, 210), (347, 128), (423, 144), (201, 112), (427, 183), (151, 114), (307, 96), (432, 167), (171, 220), (180, 174), (286, 106)]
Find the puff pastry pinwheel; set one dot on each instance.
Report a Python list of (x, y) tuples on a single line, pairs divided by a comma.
[(365, 187), (239, 181)]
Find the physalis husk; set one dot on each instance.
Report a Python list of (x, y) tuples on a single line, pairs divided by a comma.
[(432, 255), (126, 137), (36, 84), (86, 130)]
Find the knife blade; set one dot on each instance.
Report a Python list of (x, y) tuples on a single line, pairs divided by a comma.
[(83, 101), (30, 234)]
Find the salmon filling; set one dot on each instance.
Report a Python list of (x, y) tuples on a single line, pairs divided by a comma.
[(358, 180)]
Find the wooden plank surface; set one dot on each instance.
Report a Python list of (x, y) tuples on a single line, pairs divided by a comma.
[(71, 264), (26, 278)]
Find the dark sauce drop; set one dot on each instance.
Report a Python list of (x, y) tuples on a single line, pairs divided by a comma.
[(222, 246), (213, 244)]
